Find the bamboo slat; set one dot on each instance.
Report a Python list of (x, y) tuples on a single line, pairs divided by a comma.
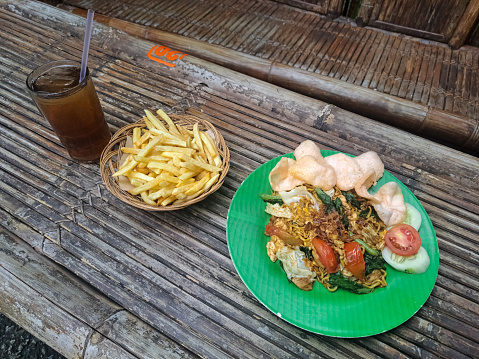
[(329, 45), (459, 86), (363, 61), (385, 61), (322, 41), (402, 70), (371, 61), (341, 62), (475, 73), (406, 90), (286, 41), (451, 82), (330, 57), (419, 91), (435, 83), (354, 54), (377, 61), (314, 36)]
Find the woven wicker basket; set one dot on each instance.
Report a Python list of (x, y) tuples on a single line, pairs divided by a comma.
[(109, 162)]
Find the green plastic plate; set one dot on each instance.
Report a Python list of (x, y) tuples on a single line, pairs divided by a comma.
[(341, 313)]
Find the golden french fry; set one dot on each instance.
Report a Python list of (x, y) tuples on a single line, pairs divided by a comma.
[(164, 166), (184, 133), (142, 168), (182, 189), (169, 178), (176, 161), (156, 170), (127, 160), (164, 184), (188, 151), (174, 142), (190, 166), (153, 142), (168, 200), (194, 195), (164, 192), (136, 134), (197, 136), (217, 161), (198, 185), (141, 140), (185, 182), (148, 123), (208, 156), (187, 175), (167, 119), (133, 151), (180, 196), (136, 182), (148, 159), (144, 197), (189, 144), (148, 185), (201, 175), (212, 181), (138, 175), (167, 135), (155, 122), (197, 163), (200, 156), (182, 199), (208, 143), (155, 195), (132, 164)]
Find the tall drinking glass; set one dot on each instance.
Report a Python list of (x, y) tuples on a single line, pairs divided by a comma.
[(71, 107)]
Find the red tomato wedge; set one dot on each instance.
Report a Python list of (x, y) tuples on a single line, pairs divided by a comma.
[(355, 259), (326, 255), (283, 235), (403, 239)]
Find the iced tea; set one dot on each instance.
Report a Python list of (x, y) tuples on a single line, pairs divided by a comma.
[(71, 107)]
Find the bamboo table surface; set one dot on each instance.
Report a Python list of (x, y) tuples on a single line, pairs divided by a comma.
[(95, 278)]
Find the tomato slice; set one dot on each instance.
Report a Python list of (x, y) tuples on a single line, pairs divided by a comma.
[(283, 235), (326, 255), (403, 239), (355, 259)]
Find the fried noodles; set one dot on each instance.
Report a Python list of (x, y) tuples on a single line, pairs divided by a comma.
[(352, 218)]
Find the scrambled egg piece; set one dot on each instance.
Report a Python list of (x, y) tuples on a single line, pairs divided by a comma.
[(278, 211), (295, 268)]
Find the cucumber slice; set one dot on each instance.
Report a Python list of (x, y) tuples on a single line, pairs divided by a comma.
[(413, 217), (415, 264)]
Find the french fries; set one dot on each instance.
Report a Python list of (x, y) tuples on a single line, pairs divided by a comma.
[(169, 164)]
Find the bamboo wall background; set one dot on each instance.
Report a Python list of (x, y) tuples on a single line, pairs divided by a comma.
[(448, 21), (325, 7), (425, 72), (474, 38), (435, 16)]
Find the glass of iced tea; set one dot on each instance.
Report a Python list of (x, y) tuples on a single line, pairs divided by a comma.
[(71, 107)]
